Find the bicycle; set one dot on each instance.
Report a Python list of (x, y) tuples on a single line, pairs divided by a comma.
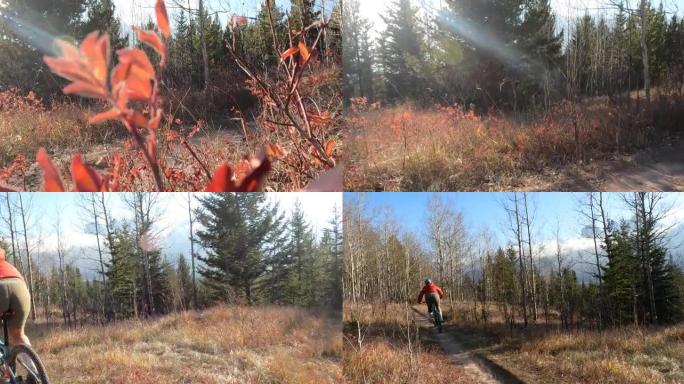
[(436, 318), (15, 360)]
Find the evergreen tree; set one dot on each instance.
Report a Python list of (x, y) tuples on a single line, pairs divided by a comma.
[(239, 232), (122, 273), (357, 60), (184, 276), (300, 249), (101, 16), (401, 53)]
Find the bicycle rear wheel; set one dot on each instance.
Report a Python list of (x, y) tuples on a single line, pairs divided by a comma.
[(27, 366)]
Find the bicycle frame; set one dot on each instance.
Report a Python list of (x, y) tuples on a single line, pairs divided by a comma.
[(5, 350)]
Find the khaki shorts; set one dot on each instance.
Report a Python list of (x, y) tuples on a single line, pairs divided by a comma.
[(14, 297)]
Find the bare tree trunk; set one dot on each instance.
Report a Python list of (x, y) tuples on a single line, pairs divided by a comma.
[(644, 51), (15, 247), (203, 42), (24, 213), (529, 244), (192, 253)]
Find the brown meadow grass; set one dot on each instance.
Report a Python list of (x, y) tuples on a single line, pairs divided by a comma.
[(544, 352), (219, 345), (406, 147), (384, 355)]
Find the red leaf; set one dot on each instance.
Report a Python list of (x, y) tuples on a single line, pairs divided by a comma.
[(254, 181), (112, 114), (95, 50), (67, 69), (85, 90), (304, 54), (275, 151), (152, 39), (51, 179), (289, 53), (163, 19), (329, 147), (85, 178), (222, 180)]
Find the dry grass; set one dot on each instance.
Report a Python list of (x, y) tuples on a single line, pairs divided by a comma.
[(411, 148), (545, 353), (384, 356), (618, 356), (26, 125), (220, 345)]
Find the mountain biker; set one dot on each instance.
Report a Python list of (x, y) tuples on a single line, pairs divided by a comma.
[(433, 294), (14, 299)]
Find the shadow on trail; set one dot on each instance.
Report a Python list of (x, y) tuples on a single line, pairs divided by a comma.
[(464, 347)]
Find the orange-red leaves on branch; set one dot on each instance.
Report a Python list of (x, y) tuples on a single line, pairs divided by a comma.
[(152, 39), (289, 53), (85, 178), (163, 19), (112, 114), (51, 179), (97, 51), (329, 147), (241, 20), (254, 181), (222, 180), (304, 54), (275, 151), (86, 66), (137, 73), (86, 90)]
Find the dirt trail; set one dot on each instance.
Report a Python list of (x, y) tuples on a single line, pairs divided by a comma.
[(657, 169), (478, 370)]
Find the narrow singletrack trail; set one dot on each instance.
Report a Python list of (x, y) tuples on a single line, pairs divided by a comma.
[(478, 370)]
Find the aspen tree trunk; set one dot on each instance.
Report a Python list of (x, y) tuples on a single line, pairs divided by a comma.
[(23, 213)]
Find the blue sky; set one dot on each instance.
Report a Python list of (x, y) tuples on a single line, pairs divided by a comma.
[(173, 221), (484, 210)]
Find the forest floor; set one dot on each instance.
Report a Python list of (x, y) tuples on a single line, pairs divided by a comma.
[(589, 145), (220, 345), (63, 131), (546, 353)]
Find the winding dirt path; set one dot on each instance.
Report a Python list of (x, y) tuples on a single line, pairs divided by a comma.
[(478, 370)]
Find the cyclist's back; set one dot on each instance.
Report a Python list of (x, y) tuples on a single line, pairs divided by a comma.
[(433, 294)]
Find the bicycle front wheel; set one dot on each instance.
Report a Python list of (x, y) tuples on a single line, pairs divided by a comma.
[(27, 366)]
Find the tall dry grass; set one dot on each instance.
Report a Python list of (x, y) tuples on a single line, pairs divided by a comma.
[(449, 148), (220, 345), (384, 354), (652, 355), (26, 124)]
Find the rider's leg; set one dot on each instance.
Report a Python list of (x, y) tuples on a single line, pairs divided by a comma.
[(20, 304)]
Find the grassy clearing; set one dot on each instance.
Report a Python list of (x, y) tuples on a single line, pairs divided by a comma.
[(447, 148), (384, 355), (545, 353), (220, 345), (618, 356)]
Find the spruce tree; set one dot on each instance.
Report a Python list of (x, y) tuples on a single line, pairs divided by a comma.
[(401, 53), (101, 16), (239, 231)]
